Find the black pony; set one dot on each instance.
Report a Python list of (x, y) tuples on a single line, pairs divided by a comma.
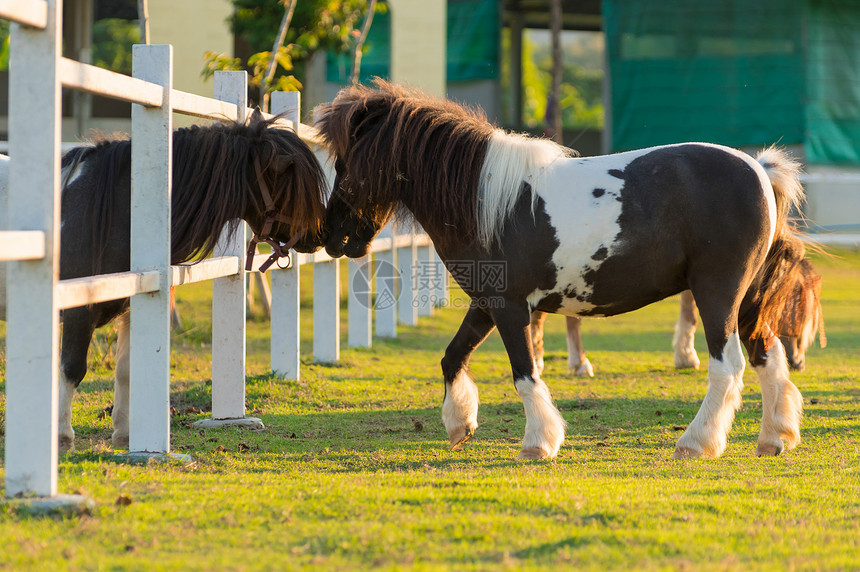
[(222, 174), (523, 225)]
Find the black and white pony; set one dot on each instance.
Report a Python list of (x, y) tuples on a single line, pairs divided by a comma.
[(590, 236), (797, 326), (222, 174)]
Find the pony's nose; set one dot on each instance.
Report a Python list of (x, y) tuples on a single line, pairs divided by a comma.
[(797, 364), (334, 247)]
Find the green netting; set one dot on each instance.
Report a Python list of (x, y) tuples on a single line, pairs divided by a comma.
[(473, 40), (472, 50), (375, 61), (833, 111), (726, 72)]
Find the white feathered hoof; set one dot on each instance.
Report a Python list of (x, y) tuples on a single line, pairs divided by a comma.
[(119, 440), (782, 406), (686, 360), (535, 454), (544, 424), (769, 449), (460, 410), (584, 369), (682, 452), (66, 443)]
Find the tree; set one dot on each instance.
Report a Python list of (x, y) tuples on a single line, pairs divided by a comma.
[(330, 25), (554, 105)]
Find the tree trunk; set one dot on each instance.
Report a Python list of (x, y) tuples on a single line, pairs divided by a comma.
[(273, 64), (143, 19), (356, 54), (555, 28)]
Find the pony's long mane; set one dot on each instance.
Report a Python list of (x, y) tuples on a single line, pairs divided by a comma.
[(461, 172), (214, 182)]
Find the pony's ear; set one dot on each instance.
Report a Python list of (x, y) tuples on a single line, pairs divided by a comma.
[(256, 116)]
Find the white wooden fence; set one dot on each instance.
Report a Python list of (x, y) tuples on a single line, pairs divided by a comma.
[(35, 295)]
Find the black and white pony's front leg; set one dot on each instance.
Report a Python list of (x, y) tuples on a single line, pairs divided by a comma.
[(77, 328), (544, 432), (781, 401), (460, 405)]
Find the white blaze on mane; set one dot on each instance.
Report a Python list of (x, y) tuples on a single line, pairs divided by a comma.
[(511, 160)]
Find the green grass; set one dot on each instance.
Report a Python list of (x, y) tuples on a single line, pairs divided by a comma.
[(353, 469)]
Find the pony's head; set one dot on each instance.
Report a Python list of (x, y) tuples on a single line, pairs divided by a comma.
[(287, 183), (803, 317), (396, 147), (351, 222), (790, 298)]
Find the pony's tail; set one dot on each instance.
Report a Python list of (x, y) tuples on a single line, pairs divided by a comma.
[(782, 270), (784, 174)]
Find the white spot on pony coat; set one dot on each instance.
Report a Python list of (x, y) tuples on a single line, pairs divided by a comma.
[(584, 223)]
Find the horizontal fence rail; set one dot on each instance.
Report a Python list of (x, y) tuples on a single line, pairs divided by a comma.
[(22, 245), (33, 13)]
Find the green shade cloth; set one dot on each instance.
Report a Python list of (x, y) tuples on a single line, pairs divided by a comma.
[(727, 72), (472, 50)]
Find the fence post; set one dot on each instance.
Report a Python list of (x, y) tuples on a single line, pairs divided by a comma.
[(228, 299), (228, 292), (149, 341), (32, 349), (326, 311), (386, 286), (285, 335), (361, 301), (407, 308)]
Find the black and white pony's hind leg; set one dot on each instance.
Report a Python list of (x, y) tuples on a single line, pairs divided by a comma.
[(706, 435), (536, 323), (576, 360), (685, 330), (781, 401), (119, 416), (460, 405), (544, 432)]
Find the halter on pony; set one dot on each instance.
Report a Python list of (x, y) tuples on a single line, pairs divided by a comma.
[(272, 215)]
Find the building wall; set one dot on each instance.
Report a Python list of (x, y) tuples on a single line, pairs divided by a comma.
[(193, 27), (418, 37)]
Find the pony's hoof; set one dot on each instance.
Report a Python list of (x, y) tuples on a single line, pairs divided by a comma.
[(120, 441), (584, 369), (686, 453), (532, 454), (768, 449), (65, 444), (686, 361), (458, 442)]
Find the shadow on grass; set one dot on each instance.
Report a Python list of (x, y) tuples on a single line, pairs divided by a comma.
[(344, 439)]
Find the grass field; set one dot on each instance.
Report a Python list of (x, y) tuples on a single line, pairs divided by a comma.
[(353, 469)]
